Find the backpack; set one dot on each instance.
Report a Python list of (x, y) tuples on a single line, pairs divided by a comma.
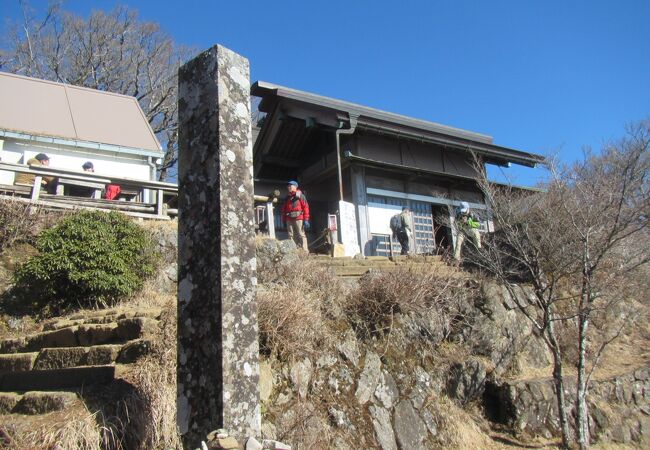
[(112, 191), (296, 198), (396, 223)]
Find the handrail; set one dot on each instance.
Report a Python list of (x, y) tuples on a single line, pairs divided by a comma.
[(161, 185), (87, 176), (53, 172)]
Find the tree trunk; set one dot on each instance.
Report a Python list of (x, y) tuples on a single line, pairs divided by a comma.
[(170, 158), (582, 411), (162, 174), (558, 379)]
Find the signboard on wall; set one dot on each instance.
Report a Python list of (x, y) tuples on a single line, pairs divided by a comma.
[(348, 227), (379, 215)]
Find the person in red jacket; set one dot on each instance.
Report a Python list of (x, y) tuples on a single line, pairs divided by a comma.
[(295, 213)]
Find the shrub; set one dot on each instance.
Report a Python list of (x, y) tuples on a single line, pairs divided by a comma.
[(89, 258)]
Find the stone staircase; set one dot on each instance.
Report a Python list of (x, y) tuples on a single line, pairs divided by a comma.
[(353, 268), (43, 372)]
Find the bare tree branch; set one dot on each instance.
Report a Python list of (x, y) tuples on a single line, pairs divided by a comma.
[(579, 245)]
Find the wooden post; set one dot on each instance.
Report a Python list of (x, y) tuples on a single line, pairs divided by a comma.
[(36, 189), (159, 202), (270, 219)]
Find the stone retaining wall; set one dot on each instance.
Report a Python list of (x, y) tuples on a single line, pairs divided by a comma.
[(619, 407)]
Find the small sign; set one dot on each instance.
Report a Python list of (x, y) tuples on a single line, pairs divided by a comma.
[(331, 222), (349, 228)]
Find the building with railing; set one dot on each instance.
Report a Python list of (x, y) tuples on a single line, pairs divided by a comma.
[(73, 125), (364, 165)]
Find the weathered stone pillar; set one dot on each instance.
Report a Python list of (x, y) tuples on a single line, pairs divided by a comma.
[(218, 371)]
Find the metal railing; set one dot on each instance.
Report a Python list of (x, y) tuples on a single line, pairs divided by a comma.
[(381, 240), (159, 209)]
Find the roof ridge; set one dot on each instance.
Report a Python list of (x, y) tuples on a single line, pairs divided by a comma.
[(486, 138)]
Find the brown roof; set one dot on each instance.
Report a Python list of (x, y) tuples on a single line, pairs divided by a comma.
[(44, 108)]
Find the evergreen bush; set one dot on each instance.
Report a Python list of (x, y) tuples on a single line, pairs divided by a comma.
[(90, 258)]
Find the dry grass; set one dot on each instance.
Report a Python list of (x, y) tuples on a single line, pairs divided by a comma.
[(295, 311), (17, 221), (456, 427), (151, 408), (441, 297), (150, 296), (618, 446), (305, 427), (159, 225), (75, 429), (22, 222), (165, 234)]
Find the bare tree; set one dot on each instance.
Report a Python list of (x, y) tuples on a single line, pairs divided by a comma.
[(113, 52), (582, 245)]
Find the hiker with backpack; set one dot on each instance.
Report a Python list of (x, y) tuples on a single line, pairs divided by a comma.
[(402, 228), (295, 213), (467, 225)]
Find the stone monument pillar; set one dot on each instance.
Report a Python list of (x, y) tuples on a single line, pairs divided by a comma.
[(218, 371)]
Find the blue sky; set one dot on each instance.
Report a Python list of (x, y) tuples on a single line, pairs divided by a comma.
[(542, 76)]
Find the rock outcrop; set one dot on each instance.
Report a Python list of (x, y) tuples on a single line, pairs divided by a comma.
[(386, 391), (619, 406)]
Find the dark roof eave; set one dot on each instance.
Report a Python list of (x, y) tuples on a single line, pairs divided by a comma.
[(352, 159), (401, 168), (262, 89), (424, 130), (519, 187), (494, 153)]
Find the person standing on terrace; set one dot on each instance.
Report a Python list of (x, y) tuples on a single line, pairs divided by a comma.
[(295, 213)]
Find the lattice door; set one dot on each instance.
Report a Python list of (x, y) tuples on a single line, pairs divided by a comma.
[(423, 223)]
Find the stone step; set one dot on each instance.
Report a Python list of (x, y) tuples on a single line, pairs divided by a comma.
[(380, 261), (349, 260), (320, 258), (358, 270), (17, 362), (101, 317), (46, 380), (355, 262), (98, 355), (415, 266), (350, 271), (350, 281), (64, 357), (380, 265), (82, 335), (36, 402), (417, 258)]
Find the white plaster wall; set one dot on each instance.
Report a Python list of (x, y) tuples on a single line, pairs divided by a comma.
[(379, 216), (10, 155), (71, 158)]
